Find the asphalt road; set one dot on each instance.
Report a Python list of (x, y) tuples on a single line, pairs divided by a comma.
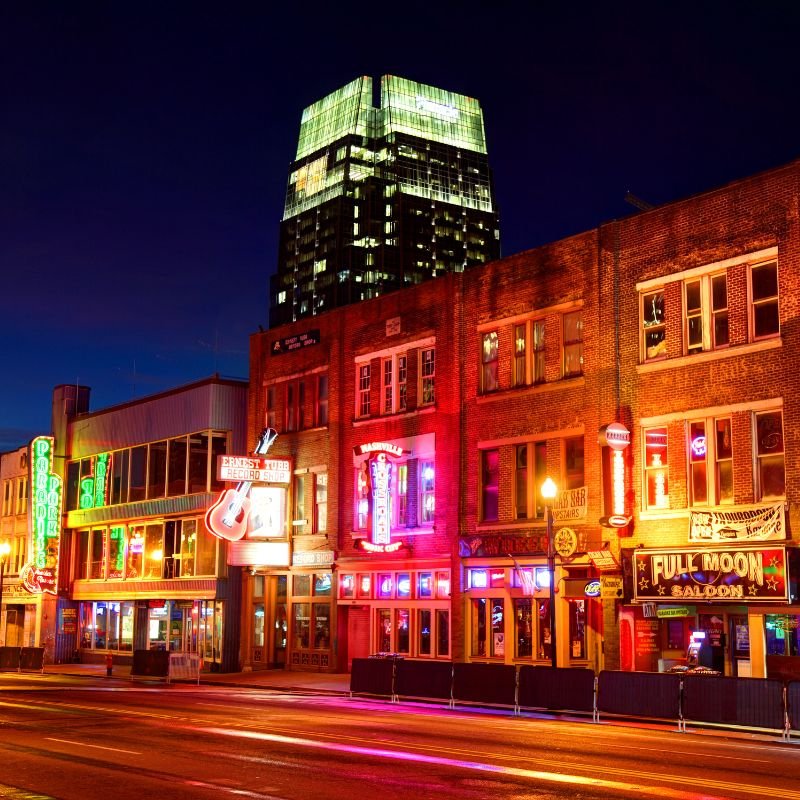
[(75, 739)]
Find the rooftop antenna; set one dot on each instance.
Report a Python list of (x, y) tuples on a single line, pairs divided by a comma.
[(637, 202)]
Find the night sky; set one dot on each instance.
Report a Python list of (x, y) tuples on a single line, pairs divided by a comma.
[(144, 152)]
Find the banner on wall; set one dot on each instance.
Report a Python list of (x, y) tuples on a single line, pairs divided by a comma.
[(764, 523)]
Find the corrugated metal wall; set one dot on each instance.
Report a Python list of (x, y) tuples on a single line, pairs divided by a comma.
[(221, 406)]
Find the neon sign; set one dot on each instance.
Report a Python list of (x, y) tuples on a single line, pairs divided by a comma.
[(617, 437), (381, 473), (371, 547), (699, 446), (46, 499), (87, 492), (101, 480), (378, 447)]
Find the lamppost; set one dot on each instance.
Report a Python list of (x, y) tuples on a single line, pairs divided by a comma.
[(5, 549), (549, 491)]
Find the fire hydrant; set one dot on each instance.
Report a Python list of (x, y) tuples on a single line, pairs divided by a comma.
[(109, 664)]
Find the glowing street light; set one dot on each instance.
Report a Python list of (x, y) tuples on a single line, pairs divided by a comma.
[(549, 491)]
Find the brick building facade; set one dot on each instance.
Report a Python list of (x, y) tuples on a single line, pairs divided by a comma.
[(677, 323)]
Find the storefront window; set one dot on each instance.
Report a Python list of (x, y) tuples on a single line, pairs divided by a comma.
[(258, 625), (403, 585), (112, 626), (424, 631), (302, 625), (301, 586), (206, 557), (443, 584), (98, 553), (364, 584), (100, 621), (135, 552), (544, 645), (188, 547), (442, 632), (322, 626), (385, 584), (116, 552), (425, 586), (157, 627), (153, 550), (322, 585), (346, 586), (126, 626), (783, 634), (523, 627), (402, 627), (384, 630), (488, 638), (577, 629)]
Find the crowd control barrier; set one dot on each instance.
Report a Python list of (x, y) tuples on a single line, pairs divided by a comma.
[(184, 667), (424, 679), (372, 676), (752, 703), (557, 689), (639, 694), (150, 664), (748, 702), (22, 658), (792, 706), (492, 684)]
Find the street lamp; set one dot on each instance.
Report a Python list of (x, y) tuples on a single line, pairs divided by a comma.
[(5, 549), (549, 491)]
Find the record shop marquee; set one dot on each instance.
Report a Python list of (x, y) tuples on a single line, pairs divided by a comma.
[(713, 574)]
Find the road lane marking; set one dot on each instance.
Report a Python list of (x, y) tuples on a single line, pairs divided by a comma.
[(552, 777), (95, 746)]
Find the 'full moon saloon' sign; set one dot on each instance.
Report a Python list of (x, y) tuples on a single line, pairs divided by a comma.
[(46, 498), (713, 575)]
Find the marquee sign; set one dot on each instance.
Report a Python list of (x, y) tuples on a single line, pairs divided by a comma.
[(744, 524), (375, 482), (255, 469), (41, 575), (714, 575)]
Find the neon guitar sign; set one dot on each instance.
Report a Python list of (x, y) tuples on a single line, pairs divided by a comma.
[(227, 518)]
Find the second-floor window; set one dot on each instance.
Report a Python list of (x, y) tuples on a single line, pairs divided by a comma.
[(710, 462), (656, 468), (489, 362), (769, 447), (428, 376), (490, 484), (322, 400), (573, 344), (321, 502), (364, 387), (705, 313), (764, 299), (654, 325)]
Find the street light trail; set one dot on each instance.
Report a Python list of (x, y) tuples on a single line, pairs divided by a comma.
[(517, 772)]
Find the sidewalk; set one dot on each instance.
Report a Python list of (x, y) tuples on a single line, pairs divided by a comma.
[(279, 679)]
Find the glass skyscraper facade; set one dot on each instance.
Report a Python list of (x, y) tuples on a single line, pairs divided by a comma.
[(382, 196)]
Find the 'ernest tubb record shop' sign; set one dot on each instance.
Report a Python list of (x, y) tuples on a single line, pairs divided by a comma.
[(714, 574)]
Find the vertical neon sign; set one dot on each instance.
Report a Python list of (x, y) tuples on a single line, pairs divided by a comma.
[(46, 499), (101, 480), (381, 473), (616, 437)]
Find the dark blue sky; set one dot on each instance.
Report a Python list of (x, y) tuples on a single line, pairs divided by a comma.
[(144, 150)]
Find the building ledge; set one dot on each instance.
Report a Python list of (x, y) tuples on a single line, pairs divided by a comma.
[(709, 355), (534, 389)]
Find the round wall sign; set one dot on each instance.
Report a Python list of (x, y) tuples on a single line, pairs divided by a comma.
[(565, 542)]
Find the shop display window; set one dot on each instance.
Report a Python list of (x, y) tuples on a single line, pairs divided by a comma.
[(523, 627), (402, 627), (346, 586), (783, 634), (488, 637), (442, 632), (364, 586), (577, 629), (403, 585), (424, 631), (385, 585), (425, 584)]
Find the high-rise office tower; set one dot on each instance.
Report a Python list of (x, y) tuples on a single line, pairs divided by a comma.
[(382, 196)]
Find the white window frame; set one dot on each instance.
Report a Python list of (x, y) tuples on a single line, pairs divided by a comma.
[(757, 458), (648, 468), (427, 377), (752, 303), (363, 387), (643, 329), (712, 461), (706, 312), (572, 343)]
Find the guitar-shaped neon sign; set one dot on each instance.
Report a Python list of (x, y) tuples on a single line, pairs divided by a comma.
[(227, 517)]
